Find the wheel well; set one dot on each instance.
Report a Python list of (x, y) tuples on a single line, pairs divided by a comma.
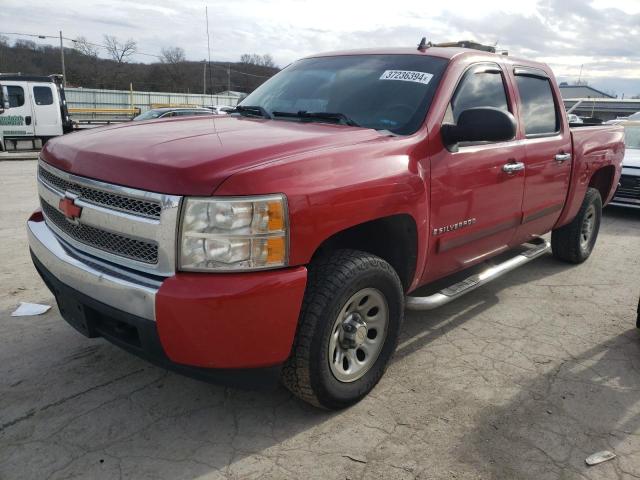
[(394, 238), (602, 180)]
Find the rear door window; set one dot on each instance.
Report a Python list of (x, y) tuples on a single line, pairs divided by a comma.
[(537, 104), (42, 95)]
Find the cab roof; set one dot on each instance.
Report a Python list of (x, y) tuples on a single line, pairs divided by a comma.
[(448, 53), (25, 78)]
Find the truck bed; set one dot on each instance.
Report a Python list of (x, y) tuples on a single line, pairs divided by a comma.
[(593, 147)]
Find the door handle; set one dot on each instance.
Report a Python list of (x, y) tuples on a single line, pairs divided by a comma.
[(27, 120), (563, 157), (513, 167)]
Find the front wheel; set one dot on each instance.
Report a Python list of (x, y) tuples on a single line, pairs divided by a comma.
[(348, 329), (574, 242)]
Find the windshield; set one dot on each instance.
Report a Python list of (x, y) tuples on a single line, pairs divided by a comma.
[(384, 92), (151, 114), (632, 136)]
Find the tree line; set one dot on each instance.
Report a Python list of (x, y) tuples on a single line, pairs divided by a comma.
[(168, 72)]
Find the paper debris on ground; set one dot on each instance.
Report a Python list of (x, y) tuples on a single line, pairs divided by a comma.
[(600, 457), (26, 309)]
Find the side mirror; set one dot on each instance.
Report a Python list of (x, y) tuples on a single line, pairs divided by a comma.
[(480, 124), (4, 99)]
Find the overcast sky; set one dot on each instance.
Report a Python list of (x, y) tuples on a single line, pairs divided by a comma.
[(602, 35)]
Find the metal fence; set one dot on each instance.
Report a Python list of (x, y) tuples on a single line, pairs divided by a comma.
[(92, 103)]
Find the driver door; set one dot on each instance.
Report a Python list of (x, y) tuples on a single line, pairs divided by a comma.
[(476, 206)]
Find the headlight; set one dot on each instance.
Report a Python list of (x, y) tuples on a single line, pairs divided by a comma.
[(234, 234)]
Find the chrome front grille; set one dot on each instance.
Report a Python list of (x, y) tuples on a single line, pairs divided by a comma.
[(101, 197), (126, 226), (629, 188), (146, 252)]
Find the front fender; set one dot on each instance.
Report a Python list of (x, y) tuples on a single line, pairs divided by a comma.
[(342, 188)]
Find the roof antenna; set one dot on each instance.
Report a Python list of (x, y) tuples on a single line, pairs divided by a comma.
[(422, 47)]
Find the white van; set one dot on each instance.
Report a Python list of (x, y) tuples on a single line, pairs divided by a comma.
[(37, 111)]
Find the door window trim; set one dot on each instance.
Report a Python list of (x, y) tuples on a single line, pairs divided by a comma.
[(533, 72), (492, 68)]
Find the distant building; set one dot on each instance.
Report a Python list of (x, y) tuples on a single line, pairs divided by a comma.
[(581, 91), (602, 108)]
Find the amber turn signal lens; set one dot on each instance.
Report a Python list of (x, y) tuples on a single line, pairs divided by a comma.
[(276, 217), (276, 251)]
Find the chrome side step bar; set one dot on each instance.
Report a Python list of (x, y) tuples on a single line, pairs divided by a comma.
[(538, 247)]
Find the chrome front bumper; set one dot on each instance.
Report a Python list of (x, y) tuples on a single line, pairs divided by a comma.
[(118, 288)]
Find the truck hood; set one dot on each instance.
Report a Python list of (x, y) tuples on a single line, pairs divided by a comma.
[(190, 156), (631, 158)]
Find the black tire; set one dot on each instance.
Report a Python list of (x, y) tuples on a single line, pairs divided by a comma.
[(568, 243), (332, 280)]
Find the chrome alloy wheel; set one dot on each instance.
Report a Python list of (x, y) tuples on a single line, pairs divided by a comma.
[(588, 226), (358, 335)]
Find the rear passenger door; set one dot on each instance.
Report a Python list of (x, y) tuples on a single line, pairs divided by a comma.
[(547, 152), (475, 203)]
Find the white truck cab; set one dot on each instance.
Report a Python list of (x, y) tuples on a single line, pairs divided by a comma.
[(34, 111)]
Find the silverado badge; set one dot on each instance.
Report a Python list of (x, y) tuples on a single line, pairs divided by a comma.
[(455, 226)]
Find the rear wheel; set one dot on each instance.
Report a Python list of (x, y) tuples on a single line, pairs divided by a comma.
[(574, 242), (348, 329)]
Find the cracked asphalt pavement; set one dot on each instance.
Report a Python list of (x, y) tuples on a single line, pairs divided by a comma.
[(521, 379)]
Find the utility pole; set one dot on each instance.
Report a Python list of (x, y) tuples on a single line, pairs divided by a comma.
[(228, 77), (206, 14), (204, 77), (64, 73)]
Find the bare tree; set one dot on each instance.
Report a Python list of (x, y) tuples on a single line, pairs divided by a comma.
[(265, 60), (173, 55), (26, 44), (174, 59), (119, 51), (83, 46)]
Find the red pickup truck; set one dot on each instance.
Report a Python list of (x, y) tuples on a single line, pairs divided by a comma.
[(284, 241)]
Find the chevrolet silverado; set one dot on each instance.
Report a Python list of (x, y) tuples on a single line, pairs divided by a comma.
[(285, 240)]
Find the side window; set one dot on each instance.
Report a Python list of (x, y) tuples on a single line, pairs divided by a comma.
[(538, 106), (16, 96), (480, 87), (42, 95)]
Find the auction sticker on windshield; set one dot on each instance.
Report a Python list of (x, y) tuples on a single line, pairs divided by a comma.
[(407, 76)]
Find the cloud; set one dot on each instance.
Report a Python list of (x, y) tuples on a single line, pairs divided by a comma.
[(602, 35)]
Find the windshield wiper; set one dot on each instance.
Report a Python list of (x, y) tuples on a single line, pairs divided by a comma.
[(340, 117), (252, 110)]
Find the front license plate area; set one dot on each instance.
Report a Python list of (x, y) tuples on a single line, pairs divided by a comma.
[(74, 313)]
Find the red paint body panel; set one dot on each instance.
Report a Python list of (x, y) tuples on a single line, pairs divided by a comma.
[(230, 320), (593, 148), (189, 155), (341, 188), (335, 177)]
